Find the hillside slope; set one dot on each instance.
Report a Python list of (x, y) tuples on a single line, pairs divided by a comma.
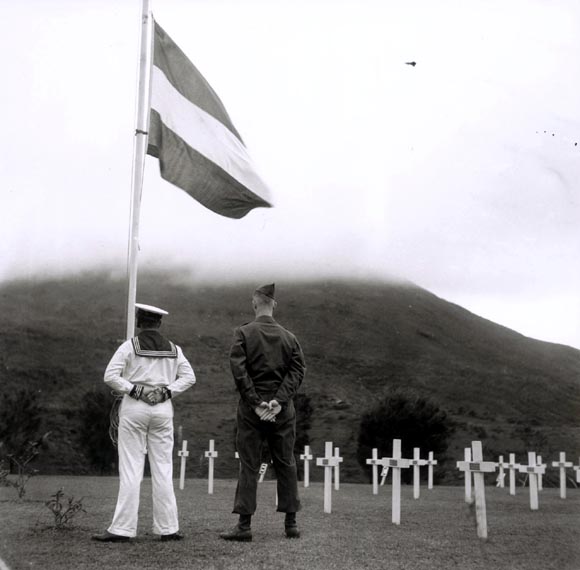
[(359, 339)]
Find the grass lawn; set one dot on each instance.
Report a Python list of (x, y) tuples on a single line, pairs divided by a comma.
[(436, 532)]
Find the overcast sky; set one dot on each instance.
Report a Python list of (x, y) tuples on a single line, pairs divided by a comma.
[(460, 173)]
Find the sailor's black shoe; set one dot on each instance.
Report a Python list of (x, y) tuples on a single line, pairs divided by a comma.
[(110, 537)]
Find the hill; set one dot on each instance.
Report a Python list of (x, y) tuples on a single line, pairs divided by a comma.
[(360, 340)]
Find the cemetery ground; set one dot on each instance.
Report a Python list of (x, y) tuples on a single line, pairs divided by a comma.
[(437, 531)]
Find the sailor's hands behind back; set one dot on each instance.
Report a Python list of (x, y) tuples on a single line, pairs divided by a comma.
[(152, 396)]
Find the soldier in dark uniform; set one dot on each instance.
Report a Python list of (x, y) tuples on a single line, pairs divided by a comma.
[(268, 367)]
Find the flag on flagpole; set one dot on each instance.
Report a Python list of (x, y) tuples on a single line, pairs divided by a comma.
[(190, 132)]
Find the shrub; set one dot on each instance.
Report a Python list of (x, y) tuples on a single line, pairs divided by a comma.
[(21, 460), (64, 513), (412, 419), (20, 422), (95, 412)]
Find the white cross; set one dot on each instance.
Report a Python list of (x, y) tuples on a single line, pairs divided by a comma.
[(533, 470), (211, 455), (307, 458), (374, 461), (500, 482), (417, 463), (562, 464), (430, 463), (337, 468), (262, 472), (577, 469), (396, 463), (236, 455), (478, 467), (541, 475), (467, 459), (184, 454), (329, 462), (512, 467)]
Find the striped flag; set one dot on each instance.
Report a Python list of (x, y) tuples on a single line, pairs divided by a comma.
[(190, 132)]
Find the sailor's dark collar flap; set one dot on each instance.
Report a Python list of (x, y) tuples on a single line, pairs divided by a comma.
[(151, 344)]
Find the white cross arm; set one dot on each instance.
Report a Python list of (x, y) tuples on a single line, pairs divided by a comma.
[(477, 466), (374, 462), (327, 462), (537, 469), (306, 456), (211, 454), (183, 453), (562, 464), (419, 462), (395, 462)]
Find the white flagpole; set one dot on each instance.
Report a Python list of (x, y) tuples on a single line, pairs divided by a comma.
[(139, 151)]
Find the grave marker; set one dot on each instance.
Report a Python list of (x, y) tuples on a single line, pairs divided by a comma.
[(478, 467), (541, 475), (374, 461), (562, 464), (500, 481), (211, 455), (467, 459), (337, 468), (430, 463), (533, 470), (417, 463), (328, 462), (307, 458), (184, 454), (396, 463), (512, 467), (577, 469)]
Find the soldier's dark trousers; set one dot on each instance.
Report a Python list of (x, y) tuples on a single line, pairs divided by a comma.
[(280, 437)]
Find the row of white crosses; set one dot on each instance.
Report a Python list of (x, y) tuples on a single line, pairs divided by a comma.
[(211, 455), (416, 462), (534, 470), (476, 467), (537, 468)]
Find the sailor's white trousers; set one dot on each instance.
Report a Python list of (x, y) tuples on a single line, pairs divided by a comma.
[(144, 428)]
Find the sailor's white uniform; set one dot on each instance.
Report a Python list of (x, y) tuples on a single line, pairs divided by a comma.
[(144, 427)]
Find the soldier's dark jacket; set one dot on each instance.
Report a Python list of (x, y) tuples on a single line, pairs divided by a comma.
[(267, 362)]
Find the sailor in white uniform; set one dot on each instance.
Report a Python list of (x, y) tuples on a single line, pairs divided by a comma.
[(150, 371)]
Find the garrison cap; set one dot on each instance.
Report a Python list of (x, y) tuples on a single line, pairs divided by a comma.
[(267, 290), (150, 310)]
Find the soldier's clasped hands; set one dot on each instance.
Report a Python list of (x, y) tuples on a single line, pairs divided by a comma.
[(267, 411)]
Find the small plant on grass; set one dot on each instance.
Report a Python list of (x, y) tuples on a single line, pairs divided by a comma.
[(64, 511), (21, 460)]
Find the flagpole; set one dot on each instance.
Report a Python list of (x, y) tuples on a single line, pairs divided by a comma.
[(139, 151)]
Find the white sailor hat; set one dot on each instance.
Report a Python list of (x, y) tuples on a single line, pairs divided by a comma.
[(151, 309)]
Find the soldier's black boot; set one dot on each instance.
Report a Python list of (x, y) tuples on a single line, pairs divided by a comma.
[(290, 526), (242, 532)]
